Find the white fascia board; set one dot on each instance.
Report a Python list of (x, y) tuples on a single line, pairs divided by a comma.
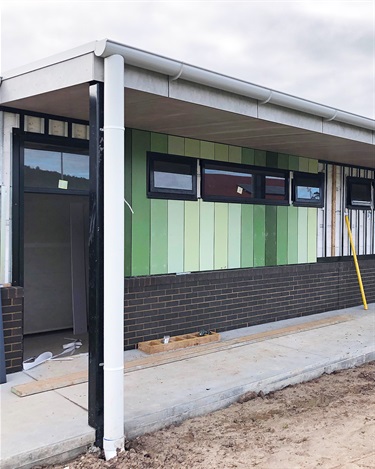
[(78, 70)]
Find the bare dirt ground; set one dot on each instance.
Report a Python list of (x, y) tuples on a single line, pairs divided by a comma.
[(326, 423)]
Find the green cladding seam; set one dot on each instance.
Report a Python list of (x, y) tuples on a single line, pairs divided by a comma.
[(169, 236)]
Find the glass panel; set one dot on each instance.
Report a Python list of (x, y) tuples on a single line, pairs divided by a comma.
[(308, 193), (361, 194), (76, 171), (42, 168), (275, 187), (163, 180), (228, 184)]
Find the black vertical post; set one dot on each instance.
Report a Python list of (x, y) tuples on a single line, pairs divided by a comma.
[(96, 253)]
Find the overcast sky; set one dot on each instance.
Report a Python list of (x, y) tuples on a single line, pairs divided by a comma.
[(318, 50)]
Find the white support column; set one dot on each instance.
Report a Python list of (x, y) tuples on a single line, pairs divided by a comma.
[(113, 255)]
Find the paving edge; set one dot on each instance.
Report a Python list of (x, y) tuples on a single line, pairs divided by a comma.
[(56, 453), (203, 406)]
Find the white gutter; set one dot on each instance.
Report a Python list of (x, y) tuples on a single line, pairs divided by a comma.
[(176, 70), (113, 255)]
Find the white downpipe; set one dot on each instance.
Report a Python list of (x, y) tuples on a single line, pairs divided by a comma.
[(113, 255)]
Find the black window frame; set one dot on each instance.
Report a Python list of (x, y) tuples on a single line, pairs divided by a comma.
[(165, 193), (350, 180), (297, 181), (258, 172)]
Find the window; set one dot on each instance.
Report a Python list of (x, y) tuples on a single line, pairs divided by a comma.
[(308, 189), (171, 177), (359, 193), (230, 182), (46, 169)]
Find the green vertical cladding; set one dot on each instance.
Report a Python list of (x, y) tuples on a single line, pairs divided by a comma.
[(207, 150), (270, 234), (312, 215), (221, 236), (128, 198), (141, 205), (303, 164), (159, 219), (259, 236), (282, 235), (234, 154), (292, 235), (293, 163), (192, 147), (176, 221), (313, 166), (191, 251), (283, 161), (272, 159), (302, 235), (247, 236), (221, 152), (207, 233), (260, 158), (247, 156), (176, 145), (234, 236)]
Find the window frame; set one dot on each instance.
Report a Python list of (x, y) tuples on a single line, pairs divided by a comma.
[(259, 173), (300, 176), (355, 180), (172, 194)]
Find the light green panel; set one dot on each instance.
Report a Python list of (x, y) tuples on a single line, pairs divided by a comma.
[(141, 205), (192, 147), (282, 235), (234, 236), (207, 150), (260, 158), (302, 235), (247, 236), (312, 234), (271, 234), (207, 233), (221, 236), (221, 152), (176, 145), (176, 230), (234, 154), (259, 236), (293, 163), (248, 156), (191, 254), (292, 235), (159, 237), (128, 197), (313, 166), (304, 164)]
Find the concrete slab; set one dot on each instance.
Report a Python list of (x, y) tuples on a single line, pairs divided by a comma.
[(52, 426)]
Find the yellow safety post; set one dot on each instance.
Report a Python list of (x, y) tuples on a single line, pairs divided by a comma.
[(356, 262)]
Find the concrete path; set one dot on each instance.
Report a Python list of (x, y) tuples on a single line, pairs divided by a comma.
[(52, 426)]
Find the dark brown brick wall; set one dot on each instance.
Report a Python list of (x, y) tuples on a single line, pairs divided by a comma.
[(224, 300), (12, 307)]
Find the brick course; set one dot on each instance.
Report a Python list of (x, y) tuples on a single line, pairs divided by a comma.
[(12, 308), (230, 299)]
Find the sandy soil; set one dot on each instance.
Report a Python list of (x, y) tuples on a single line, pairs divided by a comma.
[(325, 423)]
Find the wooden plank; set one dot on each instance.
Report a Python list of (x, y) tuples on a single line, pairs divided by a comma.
[(176, 217), (177, 342), (191, 241)]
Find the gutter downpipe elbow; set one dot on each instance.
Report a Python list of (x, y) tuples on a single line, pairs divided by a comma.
[(113, 440)]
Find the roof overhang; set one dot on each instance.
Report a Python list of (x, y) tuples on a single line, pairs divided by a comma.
[(166, 96)]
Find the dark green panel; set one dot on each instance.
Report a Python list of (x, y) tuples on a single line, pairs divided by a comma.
[(271, 159), (159, 143), (248, 156), (293, 163), (141, 205), (283, 162), (282, 235), (260, 158), (271, 235), (259, 236), (128, 197)]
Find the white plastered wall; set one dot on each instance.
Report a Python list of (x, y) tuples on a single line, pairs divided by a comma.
[(7, 122)]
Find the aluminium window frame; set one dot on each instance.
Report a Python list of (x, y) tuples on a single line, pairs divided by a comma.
[(260, 171), (359, 180), (171, 194)]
